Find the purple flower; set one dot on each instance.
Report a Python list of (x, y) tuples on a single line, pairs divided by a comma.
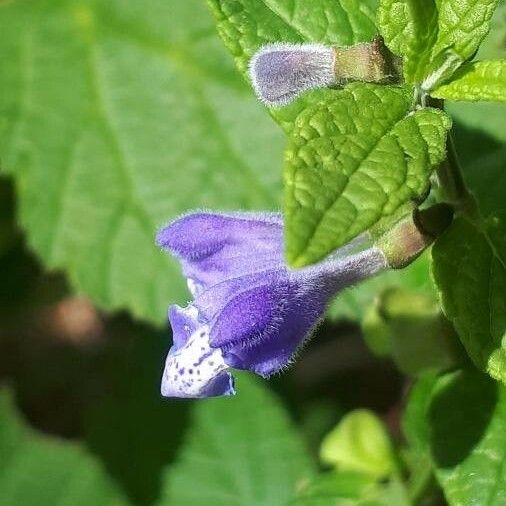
[(250, 311)]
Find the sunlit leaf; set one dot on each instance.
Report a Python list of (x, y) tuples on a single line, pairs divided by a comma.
[(116, 117)]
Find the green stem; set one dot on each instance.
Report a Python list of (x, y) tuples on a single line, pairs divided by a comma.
[(452, 182)]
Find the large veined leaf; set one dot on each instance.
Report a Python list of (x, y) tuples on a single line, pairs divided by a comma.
[(352, 160), (116, 116), (246, 25), (459, 420), (40, 470), (469, 265), (242, 451)]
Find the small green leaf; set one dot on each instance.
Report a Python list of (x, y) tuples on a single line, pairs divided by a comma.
[(353, 160), (240, 451), (482, 80), (434, 37), (116, 118), (336, 489), (40, 470), (351, 489), (409, 327), (460, 421), (246, 25), (463, 24), (359, 443), (410, 29), (469, 266)]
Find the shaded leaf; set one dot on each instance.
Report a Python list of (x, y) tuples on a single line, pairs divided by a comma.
[(469, 269), (487, 179), (241, 451), (409, 327), (460, 419), (38, 470)]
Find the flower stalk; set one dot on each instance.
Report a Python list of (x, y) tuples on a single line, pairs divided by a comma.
[(409, 238)]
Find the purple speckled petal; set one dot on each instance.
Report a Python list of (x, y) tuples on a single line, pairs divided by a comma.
[(249, 310), (216, 247), (196, 370)]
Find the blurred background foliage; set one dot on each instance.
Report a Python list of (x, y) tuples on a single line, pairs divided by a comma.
[(116, 116)]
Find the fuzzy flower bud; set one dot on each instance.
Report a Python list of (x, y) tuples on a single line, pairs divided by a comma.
[(280, 72)]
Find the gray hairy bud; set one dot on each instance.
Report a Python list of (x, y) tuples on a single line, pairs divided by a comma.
[(280, 72)]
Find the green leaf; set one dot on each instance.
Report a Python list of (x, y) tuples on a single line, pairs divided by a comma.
[(416, 432), (351, 489), (338, 489), (463, 24), (241, 451), (359, 443), (414, 423), (410, 29), (352, 161), (129, 417), (486, 177), (38, 470), (482, 80), (117, 117), (434, 37), (460, 420), (469, 266), (246, 25)]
